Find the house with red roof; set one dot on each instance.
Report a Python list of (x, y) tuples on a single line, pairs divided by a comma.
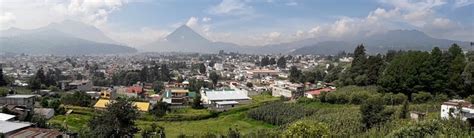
[(316, 92)]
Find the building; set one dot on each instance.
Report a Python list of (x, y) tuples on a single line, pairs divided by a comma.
[(457, 108), (176, 96), (221, 98), (6, 117), (287, 89), (80, 85), (27, 101), (45, 112), (37, 133), (261, 73), (8, 128), (142, 106), (314, 93)]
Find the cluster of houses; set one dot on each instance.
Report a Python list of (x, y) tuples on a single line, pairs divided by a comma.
[(16, 109)]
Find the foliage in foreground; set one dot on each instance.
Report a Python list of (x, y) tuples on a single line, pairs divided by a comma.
[(117, 120), (279, 113)]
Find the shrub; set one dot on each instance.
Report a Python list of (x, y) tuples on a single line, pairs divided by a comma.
[(373, 112), (421, 129), (77, 99), (441, 97), (279, 113), (359, 97), (421, 97), (470, 98), (307, 129), (394, 99)]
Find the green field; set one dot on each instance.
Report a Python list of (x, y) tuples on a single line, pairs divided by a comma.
[(235, 118)]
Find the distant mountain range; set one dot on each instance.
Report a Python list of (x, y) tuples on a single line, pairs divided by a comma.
[(64, 38), (381, 43), (184, 39), (75, 38)]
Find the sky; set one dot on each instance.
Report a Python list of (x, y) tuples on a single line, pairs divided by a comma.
[(247, 22)]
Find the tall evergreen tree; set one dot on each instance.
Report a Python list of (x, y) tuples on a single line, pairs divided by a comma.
[(438, 70), (295, 74), (457, 63), (202, 68), (165, 73), (357, 74), (281, 63), (265, 61), (3, 81), (40, 76), (374, 68), (214, 77)]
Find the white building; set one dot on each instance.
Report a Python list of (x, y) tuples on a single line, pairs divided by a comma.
[(224, 97), (45, 112), (454, 108), (287, 89)]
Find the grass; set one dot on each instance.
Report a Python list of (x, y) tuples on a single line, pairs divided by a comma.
[(234, 118), (219, 125), (73, 122), (19, 90)]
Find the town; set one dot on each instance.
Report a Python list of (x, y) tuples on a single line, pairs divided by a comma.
[(57, 95), (236, 68)]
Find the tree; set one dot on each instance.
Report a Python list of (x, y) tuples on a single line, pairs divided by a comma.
[(117, 120), (295, 74), (468, 77), (249, 84), (197, 102), (438, 70), (158, 86), (202, 68), (214, 77), (358, 66), (404, 110), (307, 129), (233, 133), (77, 99), (40, 76), (457, 62), (44, 102), (3, 82), (265, 61), (165, 73), (373, 112), (374, 69), (34, 84), (405, 73), (281, 63), (159, 109), (39, 121), (333, 73)]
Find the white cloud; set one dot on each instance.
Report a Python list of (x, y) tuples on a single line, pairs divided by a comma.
[(91, 11), (231, 7), (192, 22), (6, 20), (206, 19), (139, 38), (462, 3), (291, 3)]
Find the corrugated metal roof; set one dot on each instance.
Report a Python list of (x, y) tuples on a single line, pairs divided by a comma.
[(227, 102), (20, 96), (5, 117), (226, 95), (142, 106), (6, 126)]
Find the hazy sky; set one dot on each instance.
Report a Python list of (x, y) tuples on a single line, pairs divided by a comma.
[(247, 22)]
